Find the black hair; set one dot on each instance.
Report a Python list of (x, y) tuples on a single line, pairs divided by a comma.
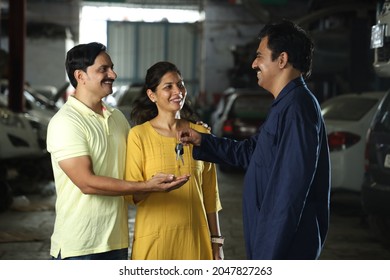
[(288, 37), (143, 108), (81, 57)]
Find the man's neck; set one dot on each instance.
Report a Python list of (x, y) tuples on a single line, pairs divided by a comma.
[(283, 80), (92, 103)]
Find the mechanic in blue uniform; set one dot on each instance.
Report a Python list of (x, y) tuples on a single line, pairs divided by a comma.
[(287, 182)]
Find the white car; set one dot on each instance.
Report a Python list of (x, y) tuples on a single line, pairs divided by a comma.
[(17, 137), (123, 98), (347, 119), (39, 109), (18, 145)]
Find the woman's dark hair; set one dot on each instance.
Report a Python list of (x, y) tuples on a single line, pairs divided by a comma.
[(288, 37), (81, 57), (143, 108)]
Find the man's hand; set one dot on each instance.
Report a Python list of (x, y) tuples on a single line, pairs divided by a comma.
[(189, 136), (166, 182)]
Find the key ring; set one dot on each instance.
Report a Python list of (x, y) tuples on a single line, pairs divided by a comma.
[(179, 151)]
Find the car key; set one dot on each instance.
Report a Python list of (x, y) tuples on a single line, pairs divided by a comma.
[(179, 150)]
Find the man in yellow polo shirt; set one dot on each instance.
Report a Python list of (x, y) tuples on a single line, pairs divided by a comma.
[(87, 142)]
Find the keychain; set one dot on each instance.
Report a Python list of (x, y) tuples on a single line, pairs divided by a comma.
[(179, 151)]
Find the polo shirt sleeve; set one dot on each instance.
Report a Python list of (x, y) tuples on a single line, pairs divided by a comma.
[(66, 138)]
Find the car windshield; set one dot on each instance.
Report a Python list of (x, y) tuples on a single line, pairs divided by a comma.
[(347, 109), (251, 107)]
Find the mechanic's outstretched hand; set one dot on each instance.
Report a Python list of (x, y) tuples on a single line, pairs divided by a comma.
[(165, 182), (189, 136)]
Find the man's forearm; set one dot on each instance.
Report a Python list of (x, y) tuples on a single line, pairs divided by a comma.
[(224, 150), (102, 185)]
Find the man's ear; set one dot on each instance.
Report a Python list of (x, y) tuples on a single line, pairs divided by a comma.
[(79, 76), (283, 59)]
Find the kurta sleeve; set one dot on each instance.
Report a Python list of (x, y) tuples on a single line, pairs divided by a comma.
[(209, 181), (210, 188), (134, 160)]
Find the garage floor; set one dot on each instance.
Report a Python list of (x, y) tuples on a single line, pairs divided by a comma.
[(25, 229)]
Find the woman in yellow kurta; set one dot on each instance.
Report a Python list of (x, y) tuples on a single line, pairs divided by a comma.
[(178, 224)]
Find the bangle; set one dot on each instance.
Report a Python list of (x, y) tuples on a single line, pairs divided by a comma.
[(218, 239)]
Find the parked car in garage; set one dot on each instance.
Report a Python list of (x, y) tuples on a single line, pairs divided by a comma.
[(17, 137), (376, 183), (239, 114), (18, 148), (123, 98), (38, 107), (347, 119)]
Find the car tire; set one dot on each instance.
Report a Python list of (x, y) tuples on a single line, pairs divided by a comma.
[(380, 227)]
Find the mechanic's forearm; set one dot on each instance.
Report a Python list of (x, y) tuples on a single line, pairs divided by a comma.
[(224, 150)]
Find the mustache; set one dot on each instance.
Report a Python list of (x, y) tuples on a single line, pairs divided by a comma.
[(108, 80)]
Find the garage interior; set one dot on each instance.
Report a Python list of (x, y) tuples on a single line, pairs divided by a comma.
[(215, 55)]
